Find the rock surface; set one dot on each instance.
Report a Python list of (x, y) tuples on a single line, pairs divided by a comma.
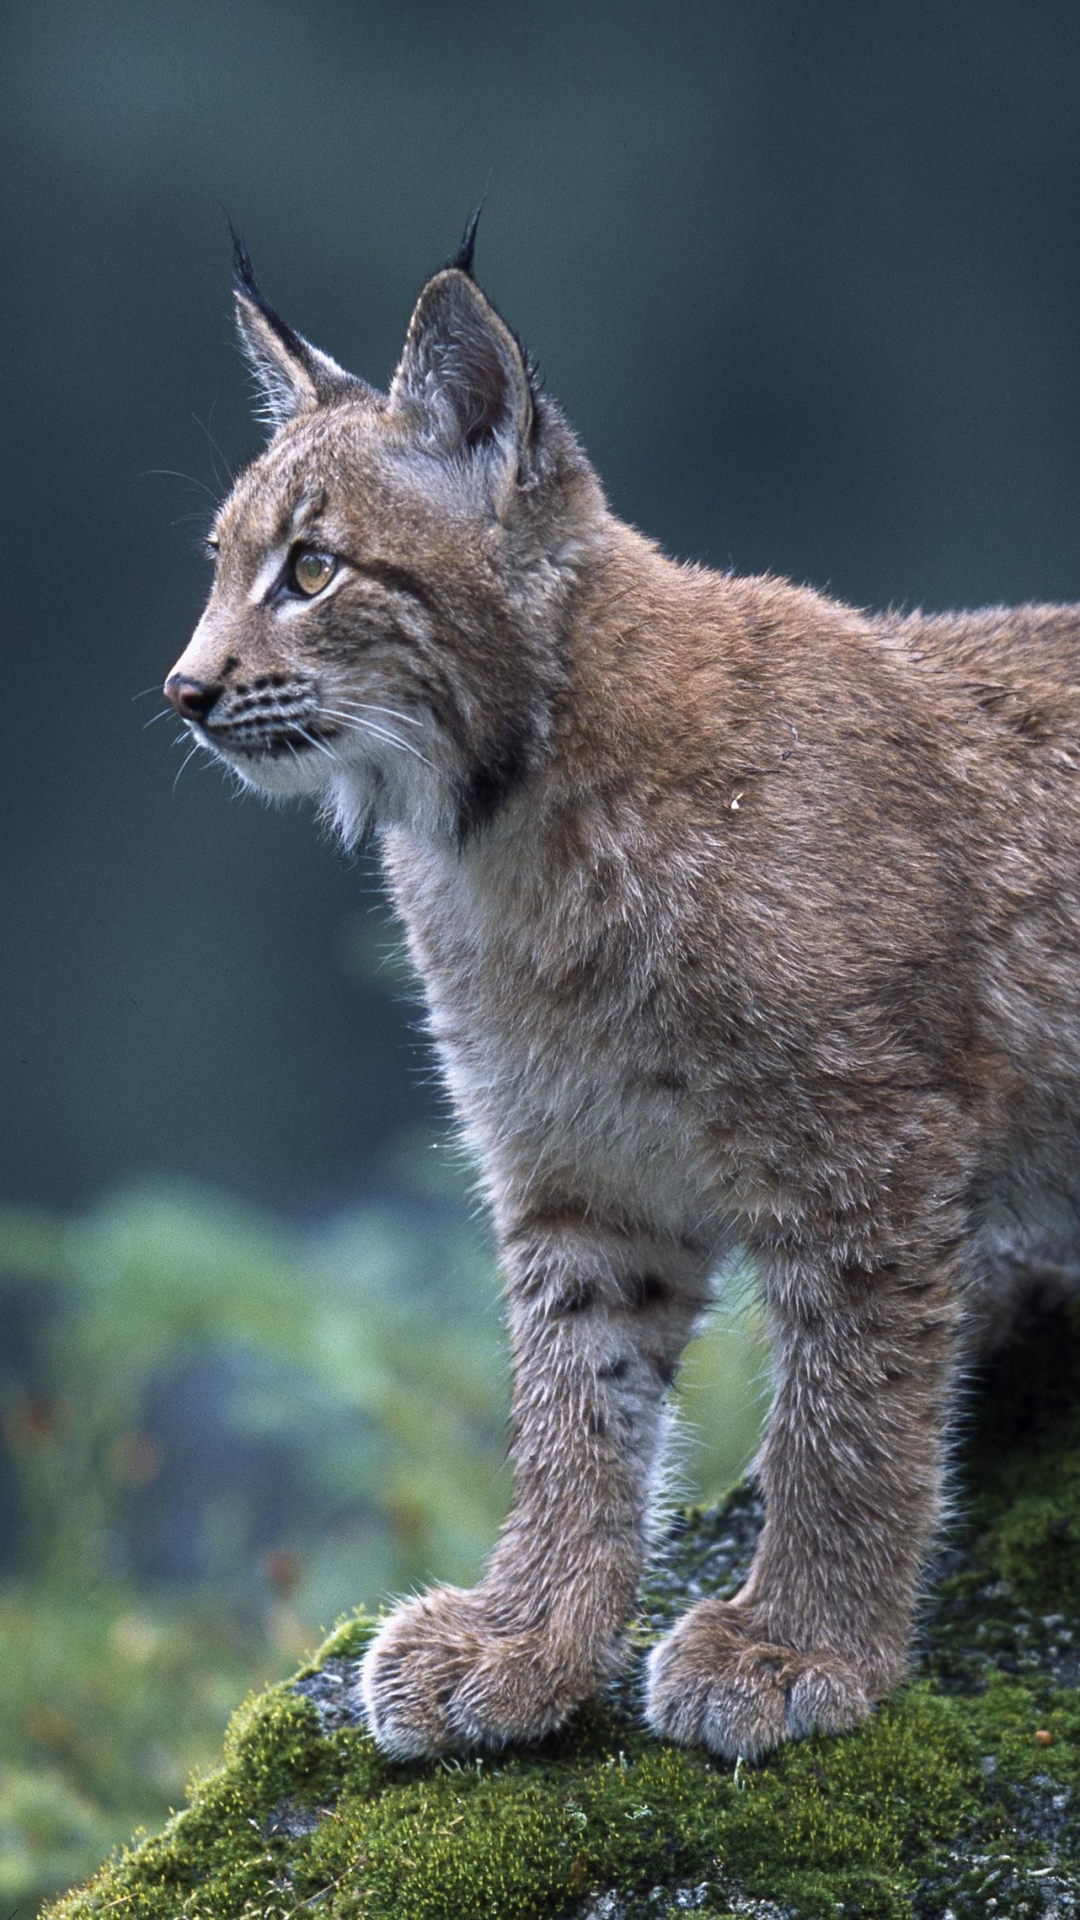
[(960, 1798)]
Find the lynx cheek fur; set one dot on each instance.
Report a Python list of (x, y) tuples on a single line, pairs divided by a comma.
[(744, 918)]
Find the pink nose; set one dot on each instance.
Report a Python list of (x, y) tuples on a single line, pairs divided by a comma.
[(192, 699)]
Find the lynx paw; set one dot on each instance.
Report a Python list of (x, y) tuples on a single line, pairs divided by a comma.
[(712, 1685), (437, 1678)]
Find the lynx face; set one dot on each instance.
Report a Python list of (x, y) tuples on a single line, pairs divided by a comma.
[(390, 574)]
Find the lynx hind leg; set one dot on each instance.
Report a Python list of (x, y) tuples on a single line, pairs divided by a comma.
[(598, 1322), (851, 1469)]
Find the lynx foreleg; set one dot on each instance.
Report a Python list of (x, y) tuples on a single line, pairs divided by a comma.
[(851, 1471), (598, 1321)]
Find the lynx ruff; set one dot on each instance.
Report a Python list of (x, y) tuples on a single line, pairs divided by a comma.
[(744, 919)]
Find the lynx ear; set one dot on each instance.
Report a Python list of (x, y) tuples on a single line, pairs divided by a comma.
[(293, 377), (464, 376)]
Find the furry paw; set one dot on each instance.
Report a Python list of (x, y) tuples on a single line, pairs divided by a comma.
[(440, 1678), (712, 1685)]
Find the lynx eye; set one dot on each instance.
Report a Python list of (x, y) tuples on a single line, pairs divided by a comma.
[(311, 570)]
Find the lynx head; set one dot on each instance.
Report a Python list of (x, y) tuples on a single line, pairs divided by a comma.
[(393, 573)]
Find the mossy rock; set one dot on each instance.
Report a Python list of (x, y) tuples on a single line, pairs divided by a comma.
[(960, 1797)]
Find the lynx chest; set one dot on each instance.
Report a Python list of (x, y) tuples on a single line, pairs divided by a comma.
[(560, 1021)]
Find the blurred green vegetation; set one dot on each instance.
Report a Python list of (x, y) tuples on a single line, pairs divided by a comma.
[(218, 1432)]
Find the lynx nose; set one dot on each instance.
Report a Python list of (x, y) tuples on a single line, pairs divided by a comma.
[(192, 699)]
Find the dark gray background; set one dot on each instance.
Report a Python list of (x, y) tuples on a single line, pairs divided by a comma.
[(806, 279)]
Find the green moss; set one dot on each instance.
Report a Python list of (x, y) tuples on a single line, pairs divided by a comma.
[(947, 1799), (853, 1821)]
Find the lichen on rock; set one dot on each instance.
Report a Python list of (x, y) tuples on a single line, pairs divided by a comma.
[(960, 1797)]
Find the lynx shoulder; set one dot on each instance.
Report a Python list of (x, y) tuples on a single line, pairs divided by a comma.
[(744, 919)]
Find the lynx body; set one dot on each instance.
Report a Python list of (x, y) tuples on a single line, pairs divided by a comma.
[(744, 918)]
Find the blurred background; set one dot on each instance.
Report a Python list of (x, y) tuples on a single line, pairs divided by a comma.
[(807, 281)]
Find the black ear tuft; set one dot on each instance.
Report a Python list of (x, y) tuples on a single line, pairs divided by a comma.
[(247, 287), (293, 377), (243, 271), (463, 258)]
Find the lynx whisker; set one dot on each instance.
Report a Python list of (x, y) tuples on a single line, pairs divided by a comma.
[(188, 757), (170, 473), (215, 450), (368, 706), (355, 723), (319, 745)]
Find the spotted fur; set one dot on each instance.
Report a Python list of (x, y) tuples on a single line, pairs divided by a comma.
[(744, 919)]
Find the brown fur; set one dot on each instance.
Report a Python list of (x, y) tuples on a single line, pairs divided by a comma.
[(744, 919)]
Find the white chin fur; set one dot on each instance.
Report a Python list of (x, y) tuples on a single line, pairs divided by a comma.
[(354, 794), (280, 773), (348, 805), (346, 794)]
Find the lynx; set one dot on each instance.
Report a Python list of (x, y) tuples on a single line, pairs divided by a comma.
[(746, 920)]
